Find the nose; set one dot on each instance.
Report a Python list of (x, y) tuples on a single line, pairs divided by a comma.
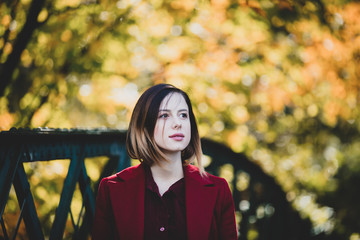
[(176, 123)]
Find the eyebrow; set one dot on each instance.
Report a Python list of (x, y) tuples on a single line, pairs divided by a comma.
[(167, 110)]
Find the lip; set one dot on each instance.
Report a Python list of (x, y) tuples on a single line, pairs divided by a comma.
[(177, 136)]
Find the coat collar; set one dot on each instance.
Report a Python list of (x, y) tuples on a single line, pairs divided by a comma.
[(190, 171), (131, 173)]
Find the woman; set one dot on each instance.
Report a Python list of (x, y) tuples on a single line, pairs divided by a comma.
[(164, 197)]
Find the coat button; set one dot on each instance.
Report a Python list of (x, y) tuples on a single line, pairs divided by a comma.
[(162, 229)]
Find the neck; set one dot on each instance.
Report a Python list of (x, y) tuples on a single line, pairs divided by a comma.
[(171, 169)]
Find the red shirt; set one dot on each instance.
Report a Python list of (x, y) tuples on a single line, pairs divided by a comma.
[(165, 216)]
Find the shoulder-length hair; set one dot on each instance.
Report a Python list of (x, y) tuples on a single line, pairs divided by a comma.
[(140, 142)]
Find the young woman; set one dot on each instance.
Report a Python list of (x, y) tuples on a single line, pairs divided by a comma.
[(164, 197)]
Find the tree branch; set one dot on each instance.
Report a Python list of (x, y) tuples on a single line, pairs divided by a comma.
[(23, 38)]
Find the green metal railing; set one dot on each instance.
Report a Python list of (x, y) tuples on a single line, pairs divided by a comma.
[(260, 203), (24, 146)]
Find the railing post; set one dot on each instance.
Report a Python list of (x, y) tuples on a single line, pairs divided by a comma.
[(20, 146)]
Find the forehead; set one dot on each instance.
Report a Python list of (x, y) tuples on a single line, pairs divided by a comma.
[(173, 101)]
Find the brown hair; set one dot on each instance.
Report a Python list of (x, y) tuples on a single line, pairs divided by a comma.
[(140, 143)]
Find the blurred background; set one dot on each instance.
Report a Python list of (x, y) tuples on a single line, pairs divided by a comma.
[(278, 81)]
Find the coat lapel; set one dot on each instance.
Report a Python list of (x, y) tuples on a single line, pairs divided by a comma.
[(128, 203), (200, 194)]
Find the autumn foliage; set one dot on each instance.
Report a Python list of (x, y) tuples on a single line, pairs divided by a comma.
[(276, 80)]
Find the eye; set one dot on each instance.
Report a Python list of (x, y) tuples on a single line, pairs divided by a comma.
[(164, 115), (184, 115)]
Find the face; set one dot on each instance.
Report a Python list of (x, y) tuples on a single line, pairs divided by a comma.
[(172, 131)]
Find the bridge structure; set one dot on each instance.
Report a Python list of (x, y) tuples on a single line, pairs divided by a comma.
[(262, 210)]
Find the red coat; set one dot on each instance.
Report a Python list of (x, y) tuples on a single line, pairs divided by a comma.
[(119, 212)]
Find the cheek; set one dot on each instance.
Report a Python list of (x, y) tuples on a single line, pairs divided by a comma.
[(159, 129)]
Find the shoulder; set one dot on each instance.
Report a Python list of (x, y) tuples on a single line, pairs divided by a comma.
[(206, 178), (126, 174), (131, 172), (219, 181)]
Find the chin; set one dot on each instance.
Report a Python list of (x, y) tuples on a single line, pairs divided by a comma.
[(173, 150)]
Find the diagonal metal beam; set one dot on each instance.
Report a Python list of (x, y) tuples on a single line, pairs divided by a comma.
[(87, 193), (23, 193), (6, 237), (9, 163), (88, 202), (63, 209)]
